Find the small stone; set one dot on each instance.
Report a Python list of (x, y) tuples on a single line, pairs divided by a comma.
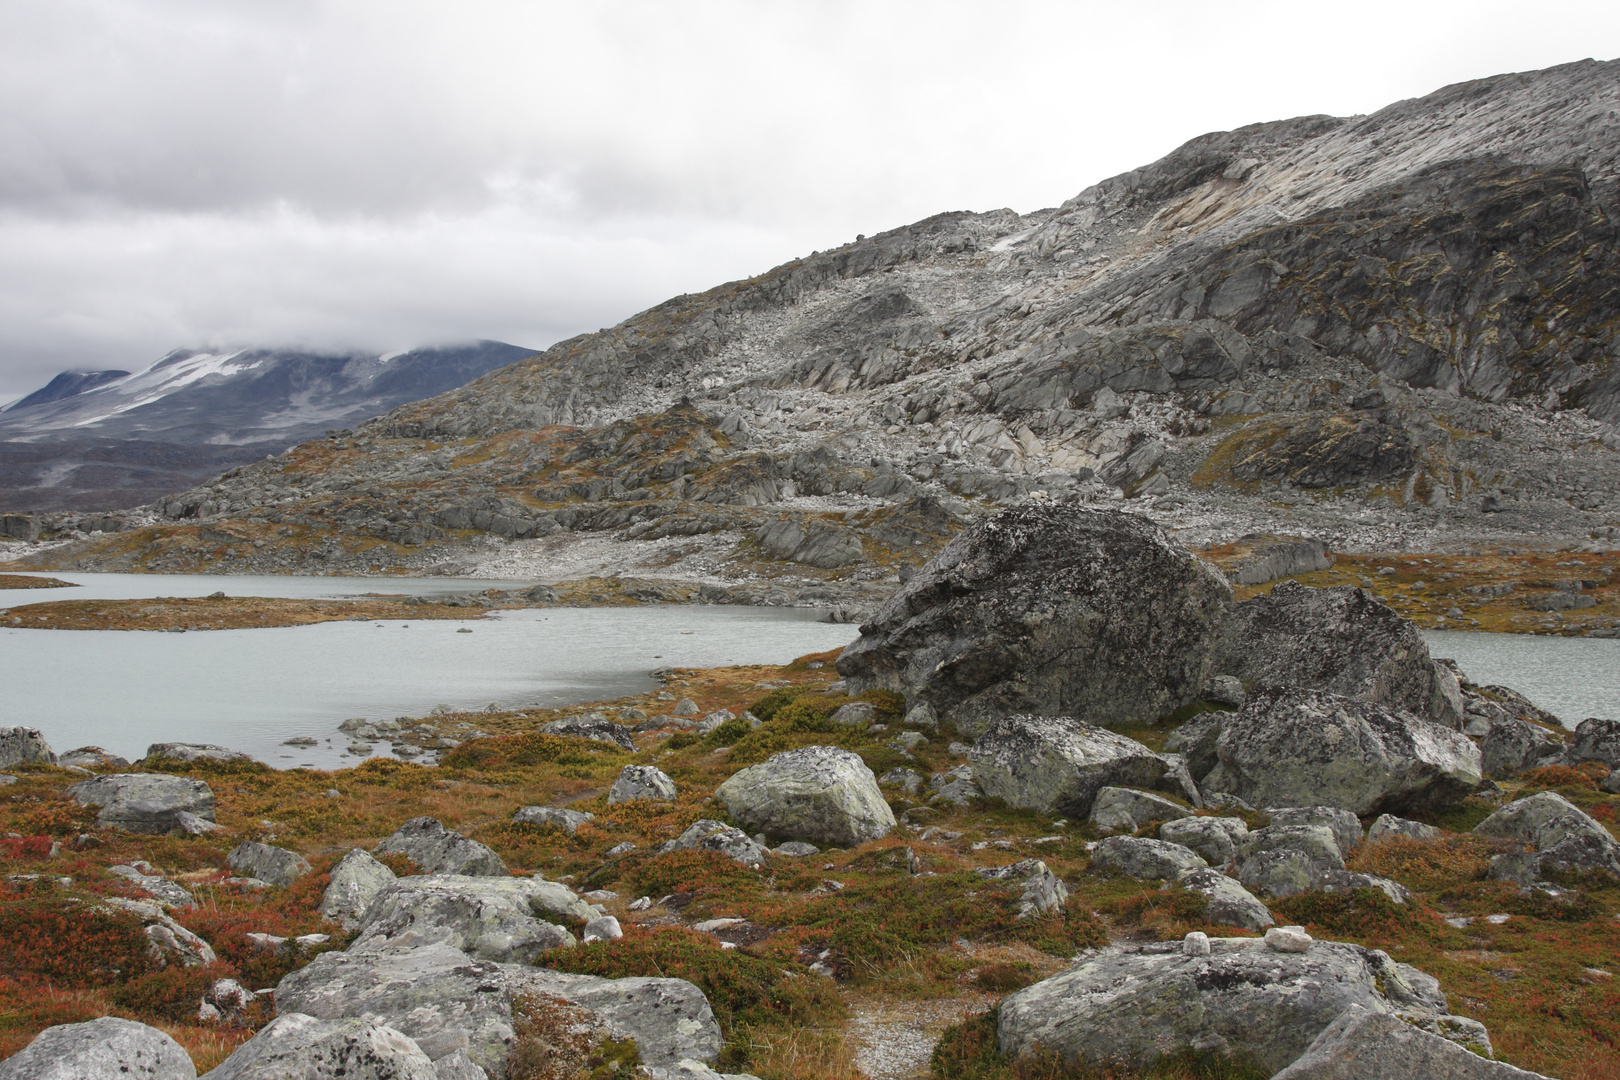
[(621, 849), (644, 782), (1287, 939), (641, 904), (602, 928), (686, 707), (1195, 944)]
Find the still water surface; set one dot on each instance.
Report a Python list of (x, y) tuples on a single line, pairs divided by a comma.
[(1573, 678), (252, 689)]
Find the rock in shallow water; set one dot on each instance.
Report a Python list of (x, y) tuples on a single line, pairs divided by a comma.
[(104, 1049)]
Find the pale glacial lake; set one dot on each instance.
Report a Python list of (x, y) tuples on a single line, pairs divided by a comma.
[(252, 689)]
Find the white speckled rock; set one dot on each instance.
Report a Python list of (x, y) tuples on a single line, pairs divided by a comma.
[(104, 1049), (499, 919), (641, 782), (1148, 860), (819, 794), (306, 1048), (25, 746)]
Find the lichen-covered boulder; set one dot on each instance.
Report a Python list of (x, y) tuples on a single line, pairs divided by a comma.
[(565, 819), (1513, 746), (1596, 740), (354, 883), (1342, 641), (1118, 809), (1289, 747), (104, 1049), (1043, 892), (1057, 764), (144, 802), (191, 752), (437, 850), (507, 920), (669, 1019), (1047, 609), (707, 834), (1566, 839), (641, 782), (593, 726), (1147, 860), (1278, 873), (278, 866), (1363, 1044), (24, 746), (1388, 827), (820, 794), (1215, 838), (1133, 1006), (1229, 903), (296, 1045), (1316, 842), (1344, 826)]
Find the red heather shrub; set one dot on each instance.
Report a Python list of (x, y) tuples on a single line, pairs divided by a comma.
[(26, 847), (72, 945)]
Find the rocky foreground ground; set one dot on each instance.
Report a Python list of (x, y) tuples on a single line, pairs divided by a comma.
[(1294, 845)]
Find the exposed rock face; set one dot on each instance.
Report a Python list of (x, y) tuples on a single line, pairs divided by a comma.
[(1316, 842), (1267, 558), (1215, 838), (641, 782), (1597, 740), (354, 883), (565, 819), (1125, 810), (593, 726), (1389, 826), (278, 866), (144, 802), (24, 746), (104, 1049), (507, 920), (1057, 764), (1131, 1006), (1366, 1045), (297, 1045), (189, 752), (1047, 609), (437, 850), (1513, 746), (1278, 872), (1148, 860), (670, 1019), (1342, 823), (1566, 840), (818, 794), (1340, 640), (1230, 904), (1289, 747), (707, 834)]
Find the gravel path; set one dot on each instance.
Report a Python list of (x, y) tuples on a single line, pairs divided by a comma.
[(895, 1039)]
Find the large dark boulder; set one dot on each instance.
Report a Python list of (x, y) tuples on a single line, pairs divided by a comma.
[(1052, 610), (1289, 747), (1341, 640)]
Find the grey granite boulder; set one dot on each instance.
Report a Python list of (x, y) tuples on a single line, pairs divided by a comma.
[(1348, 881), (24, 746), (669, 1019), (1043, 892), (458, 1066), (1565, 840), (435, 994), (1124, 810), (641, 782), (1341, 641), (437, 850), (104, 1049), (1057, 764), (1047, 608), (1344, 825), (1195, 742), (593, 726), (144, 802), (165, 892), (1215, 838), (354, 883), (167, 941), (1230, 904), (709, 835), (278, 866), (565, 819), (1132, 1006), (1290, 747), (1364, 1044), (820, 794), (1513, 746), (1596, 740), (1388, 826), (1148, 860), (507, 919), (1277, 873), (295, 1045), (193, 752), (93, 757)]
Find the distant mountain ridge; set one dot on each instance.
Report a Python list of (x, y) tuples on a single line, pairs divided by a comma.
[(93, 440)]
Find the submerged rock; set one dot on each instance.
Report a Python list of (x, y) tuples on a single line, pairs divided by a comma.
[(820, 794), (1047, 609)]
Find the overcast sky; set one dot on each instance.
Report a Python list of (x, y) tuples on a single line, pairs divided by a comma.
[(386, 174)]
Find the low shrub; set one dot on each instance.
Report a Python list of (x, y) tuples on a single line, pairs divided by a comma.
[(25, 847), (174, 994), (70, 945), (1558, 776), (1359, 913), (686, 872)]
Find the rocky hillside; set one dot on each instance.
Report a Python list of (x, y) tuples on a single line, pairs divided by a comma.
[(1393, 331)]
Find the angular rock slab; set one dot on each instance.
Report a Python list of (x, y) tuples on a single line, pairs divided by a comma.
[(104, 1049), (1215, 838), (1132, 1006), (188, 752), (1289, 747), (567, 820), (437, 850), (1512, 746), (24, 746), (144, 802), (706, 834), (1144, 859), (435, 994), (593, 726), (296, 1045), (168, 941), (820, 794), (1366, 1045), (1057, 764), (1043, 892), (1346, 828), (276, 865), (1341, 641), (1230, 904), (1124, 810), (641, 782), (1388, 826), (1596, 740), (670, 1019), (355, 882), (1047, 609), (500, 919)]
